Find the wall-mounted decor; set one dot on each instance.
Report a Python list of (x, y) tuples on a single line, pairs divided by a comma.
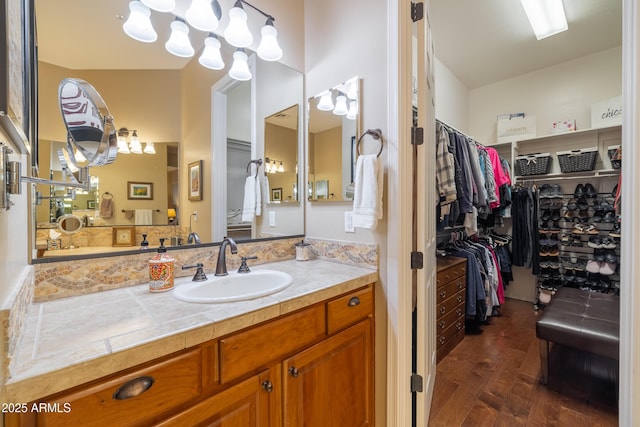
[(123, 236), (276, 194), (139, 190), (195, 180), (91, 204)]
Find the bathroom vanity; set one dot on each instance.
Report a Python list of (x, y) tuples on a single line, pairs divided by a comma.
[(304, 356)]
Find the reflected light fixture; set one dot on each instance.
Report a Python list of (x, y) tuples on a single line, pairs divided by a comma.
[(240, 68), (204, 15), (179, 43), (160, 5), (546, 17), (138, 25), (269, 50), (134, 145), (280, 167), (211, 57), (325, 103), (341, 105), (353, 110), (149, 148), (237, 32)]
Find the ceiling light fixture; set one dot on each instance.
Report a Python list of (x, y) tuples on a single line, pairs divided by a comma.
[(205, 15), (240, 67), (546, 17)]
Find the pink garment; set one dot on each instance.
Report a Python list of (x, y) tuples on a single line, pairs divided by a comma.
[(499, 174)]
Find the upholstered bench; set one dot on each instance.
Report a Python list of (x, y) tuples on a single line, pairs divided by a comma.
[(583, 320)]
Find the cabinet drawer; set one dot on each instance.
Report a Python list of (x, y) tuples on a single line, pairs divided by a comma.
[(444, 336), (349, 309), (445, 276), (450, 304), (448, 344), (449, 318), (259, 346), (173, 382), (450, 288)]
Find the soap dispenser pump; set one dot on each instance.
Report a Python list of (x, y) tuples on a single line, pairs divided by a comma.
[(145, 243), (161, 268)]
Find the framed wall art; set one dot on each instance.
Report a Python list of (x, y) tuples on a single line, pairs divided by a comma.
[(195, 180), (139, 190)]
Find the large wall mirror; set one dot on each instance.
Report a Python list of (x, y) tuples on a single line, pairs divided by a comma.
[(144, 87), (333, 132)]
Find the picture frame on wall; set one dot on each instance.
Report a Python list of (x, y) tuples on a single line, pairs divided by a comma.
[(195, 180), (276, 194), (139, 190)]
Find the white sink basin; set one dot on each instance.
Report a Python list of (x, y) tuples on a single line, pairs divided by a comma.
[(234, 287)]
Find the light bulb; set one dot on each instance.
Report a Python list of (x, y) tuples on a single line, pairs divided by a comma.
[(201, 16), (240, 68), (138, 25), (160, 5), (269, 50), (341, 105), (179, 43), (325, 103), (122, 145), (353, 110), (237, 32), (352, 91), (280, 167), (210, 56), (149, 148)]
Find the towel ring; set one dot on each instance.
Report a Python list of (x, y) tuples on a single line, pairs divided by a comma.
[(376, 134), (106, 193), (258, 162)]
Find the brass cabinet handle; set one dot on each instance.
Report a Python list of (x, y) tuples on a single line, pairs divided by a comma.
[(442, 340), (267, 386), (460, 285), (354, 301), (133, 388), (459, 311), (442, 310), (443, 294), (459, 298), (458, 326), (442, 324), (294, 372)]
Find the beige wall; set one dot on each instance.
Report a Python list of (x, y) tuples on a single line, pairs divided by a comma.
[(283, 147), (327, 152)]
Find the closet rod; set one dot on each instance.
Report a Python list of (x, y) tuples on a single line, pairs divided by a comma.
[(458, 131)]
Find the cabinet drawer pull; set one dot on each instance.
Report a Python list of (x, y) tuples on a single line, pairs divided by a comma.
[(447, 277), (442, 324), (294, 372), (442, 310), (459, 311), (354, 301), (443, 294), (458, 326), (442, 340), (459, 298), (267, 386), (133, 388), (460, 285)]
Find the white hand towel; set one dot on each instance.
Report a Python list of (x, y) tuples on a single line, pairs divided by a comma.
[(258, 196), (143, 217), (367, 200), (252, 204)]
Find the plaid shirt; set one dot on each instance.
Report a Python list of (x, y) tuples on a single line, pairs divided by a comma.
[(445, 168)]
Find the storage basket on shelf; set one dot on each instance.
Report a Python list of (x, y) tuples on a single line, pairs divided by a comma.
[(533, 164), (615, 155), (578, 160)]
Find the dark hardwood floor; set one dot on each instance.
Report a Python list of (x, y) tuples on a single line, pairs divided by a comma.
[(491, 379)]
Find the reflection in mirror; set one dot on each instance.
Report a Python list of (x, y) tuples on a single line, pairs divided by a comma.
[(333, 132), (281, 150)]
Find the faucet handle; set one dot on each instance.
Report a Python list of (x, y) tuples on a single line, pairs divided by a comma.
[(199, 276), (244, 268)]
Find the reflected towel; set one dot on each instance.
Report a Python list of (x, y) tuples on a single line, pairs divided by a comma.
[(106, 208), (128, 213), (252, 205), (144, 217), (367, 199)]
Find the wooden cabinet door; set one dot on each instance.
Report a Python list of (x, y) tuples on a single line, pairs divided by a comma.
[(331, 383), (255, 402)]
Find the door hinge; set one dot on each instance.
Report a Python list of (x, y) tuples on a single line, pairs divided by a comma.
[(417, 11), (417, 136), (417, 260), (416, 383)]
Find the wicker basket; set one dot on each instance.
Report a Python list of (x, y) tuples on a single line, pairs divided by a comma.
[(615, 156), (533, 164), (578, 160)]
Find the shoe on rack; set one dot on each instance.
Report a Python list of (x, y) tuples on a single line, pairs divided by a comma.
[(593, 266), (556, 191), (608, 243), (595, 242), (590, 191), (579, 228), (598, 255), (544, 191), (579, 191), (615, 231), (608, 268), (591, 229), (609, 217), (610, 256)]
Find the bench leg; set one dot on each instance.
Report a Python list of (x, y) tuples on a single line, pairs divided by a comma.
[(544, 361)]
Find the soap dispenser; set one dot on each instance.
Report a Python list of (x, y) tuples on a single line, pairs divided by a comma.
[(161, 268), (145, 243)]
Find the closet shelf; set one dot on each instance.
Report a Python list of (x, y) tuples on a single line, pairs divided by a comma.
[(601, 173)]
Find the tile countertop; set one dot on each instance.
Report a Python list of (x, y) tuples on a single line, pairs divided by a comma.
[(70, 341)]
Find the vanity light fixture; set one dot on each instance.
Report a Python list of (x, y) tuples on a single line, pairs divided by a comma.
[(123, 147), (341, 105), (205, 15), (546, 17), (211, 57), (240, 67), (273, 165), (138, 25), (135, 146), (326, 102), (179, 43), (353, 110), (149, 148)]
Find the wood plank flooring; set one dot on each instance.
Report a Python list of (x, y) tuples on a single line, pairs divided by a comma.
[(491, 379)]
